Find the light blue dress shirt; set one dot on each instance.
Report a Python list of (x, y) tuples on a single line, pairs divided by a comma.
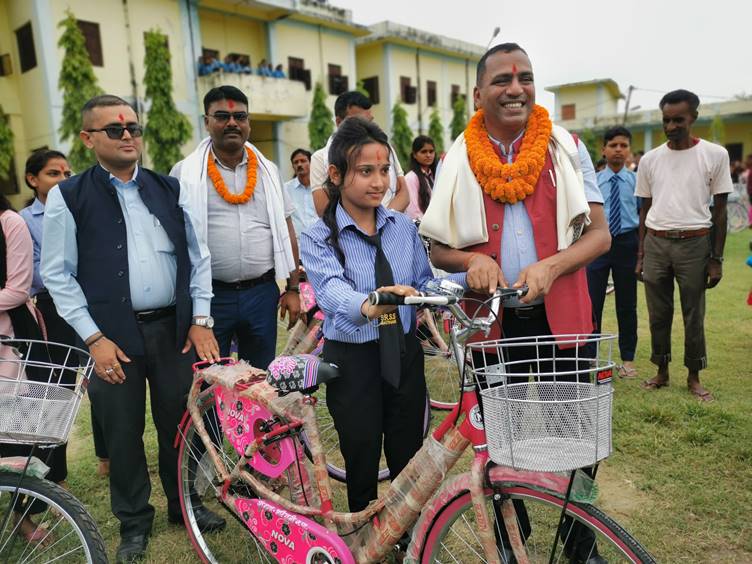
[(340, 291), (630, 215), (305, 213), (517, 239), (152, 264), (34, 216)]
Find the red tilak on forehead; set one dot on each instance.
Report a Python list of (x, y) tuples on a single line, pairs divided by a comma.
[(381, 152), (230, 104), (62, 169), (514, 69), (121, 117)]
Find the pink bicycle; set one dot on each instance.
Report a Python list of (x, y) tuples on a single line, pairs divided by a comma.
[(241, 453)]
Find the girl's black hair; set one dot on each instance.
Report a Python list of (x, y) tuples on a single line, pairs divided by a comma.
[(35, 163), (352, 135), (424, 188)]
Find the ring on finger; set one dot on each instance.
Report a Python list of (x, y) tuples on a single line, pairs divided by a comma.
[(109, 370)]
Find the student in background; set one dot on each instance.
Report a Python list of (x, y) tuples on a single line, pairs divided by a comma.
[(421, 176)]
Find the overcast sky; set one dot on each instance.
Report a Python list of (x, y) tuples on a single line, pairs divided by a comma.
[(703, 46)]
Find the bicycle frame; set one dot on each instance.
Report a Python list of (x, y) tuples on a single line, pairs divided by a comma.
[(370, 534)]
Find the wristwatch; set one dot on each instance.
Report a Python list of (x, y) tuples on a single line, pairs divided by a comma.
[(717, 258), (207, 321)]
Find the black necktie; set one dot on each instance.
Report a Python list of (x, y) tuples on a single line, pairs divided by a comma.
[(391, 333)]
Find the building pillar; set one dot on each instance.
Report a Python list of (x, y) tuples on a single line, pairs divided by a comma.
[(46, 41), (388, 89), (648, 139), (191, 29)]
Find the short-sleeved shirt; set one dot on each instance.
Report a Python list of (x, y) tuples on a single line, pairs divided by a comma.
[(682, 184)]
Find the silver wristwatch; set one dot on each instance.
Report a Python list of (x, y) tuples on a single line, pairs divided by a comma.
[(207, 321)]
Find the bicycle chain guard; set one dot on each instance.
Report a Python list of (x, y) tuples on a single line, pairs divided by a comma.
[(290, 537), (243, 420)]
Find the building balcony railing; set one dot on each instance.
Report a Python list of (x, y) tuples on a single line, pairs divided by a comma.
[(268, 98)]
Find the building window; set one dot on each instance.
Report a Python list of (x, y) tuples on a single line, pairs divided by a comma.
[(26, 52), (455, 94), (567, 111), (338, 83), (6, 67), (408, 93), (371, 85), (296, 71), (735, 152), (9, 186), (93, 40), (431, 93)]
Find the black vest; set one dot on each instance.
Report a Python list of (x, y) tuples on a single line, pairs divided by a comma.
[(102, 270)]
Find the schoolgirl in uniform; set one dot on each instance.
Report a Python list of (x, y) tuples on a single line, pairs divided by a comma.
[(357, 247)]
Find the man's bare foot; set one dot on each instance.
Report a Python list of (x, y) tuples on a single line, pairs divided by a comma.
[(696, 389), (104, 467), (659, 381), (31, 532)]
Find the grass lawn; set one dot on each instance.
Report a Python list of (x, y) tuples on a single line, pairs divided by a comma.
[(680, 478)]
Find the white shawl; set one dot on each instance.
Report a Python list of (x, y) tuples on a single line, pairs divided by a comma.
[(193, 178), (456, 215)]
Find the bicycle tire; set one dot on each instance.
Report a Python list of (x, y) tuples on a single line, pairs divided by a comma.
[(615, 544), (335, 464), (442, 379), (198, 482), (63, 517)]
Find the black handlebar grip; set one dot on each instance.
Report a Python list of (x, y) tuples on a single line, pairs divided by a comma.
[(385, 298)]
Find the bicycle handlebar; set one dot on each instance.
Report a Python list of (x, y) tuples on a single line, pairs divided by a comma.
[(387, 298)]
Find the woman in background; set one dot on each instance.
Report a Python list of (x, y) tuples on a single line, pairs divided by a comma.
[(421, 177)]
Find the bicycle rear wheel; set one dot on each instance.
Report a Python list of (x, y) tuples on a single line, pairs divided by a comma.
[(452, 537), (70, 534), (335, 464), (199, 484), (442, 378)]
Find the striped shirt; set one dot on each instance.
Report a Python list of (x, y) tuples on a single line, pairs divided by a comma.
[(340, 291)]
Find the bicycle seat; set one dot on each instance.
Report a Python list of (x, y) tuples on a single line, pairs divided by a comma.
[(299, 373)]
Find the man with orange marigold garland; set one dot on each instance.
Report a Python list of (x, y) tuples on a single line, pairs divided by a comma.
[(241, 208), (517, 203)]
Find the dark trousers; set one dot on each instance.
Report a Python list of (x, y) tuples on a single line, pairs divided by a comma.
[(121, 409), (251, 316), (523, 361), (621, 261), (366, 410), (685, 260)]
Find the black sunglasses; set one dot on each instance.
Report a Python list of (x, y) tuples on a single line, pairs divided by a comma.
[(223, 117), (116, 131)]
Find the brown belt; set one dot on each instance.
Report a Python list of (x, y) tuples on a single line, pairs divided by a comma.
[(679, 234)]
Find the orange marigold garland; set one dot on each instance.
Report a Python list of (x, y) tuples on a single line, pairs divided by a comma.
[(509, 183), (219, 183)]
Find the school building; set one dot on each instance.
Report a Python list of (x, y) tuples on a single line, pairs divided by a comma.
[(593, 105), (313, 40)]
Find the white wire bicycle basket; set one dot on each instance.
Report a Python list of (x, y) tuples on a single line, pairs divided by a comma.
[(41, 387), (547, 401)]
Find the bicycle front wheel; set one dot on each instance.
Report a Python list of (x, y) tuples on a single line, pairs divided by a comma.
[(65, 532), (453, 537), (199, 484)]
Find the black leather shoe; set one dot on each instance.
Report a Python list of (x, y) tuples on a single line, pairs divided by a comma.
[(132, 549), (207, 520)]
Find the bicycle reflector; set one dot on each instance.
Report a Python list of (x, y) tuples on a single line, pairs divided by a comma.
[(604, 376)]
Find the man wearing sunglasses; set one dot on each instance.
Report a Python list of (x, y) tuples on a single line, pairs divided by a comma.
[(241, 208), (126, 270)]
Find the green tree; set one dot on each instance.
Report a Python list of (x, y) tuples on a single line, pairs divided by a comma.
[(592, 143), (402, 135), (166, 128), (6, 145), (459, 117), (78, 84), (321, 122), (436, 131)]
